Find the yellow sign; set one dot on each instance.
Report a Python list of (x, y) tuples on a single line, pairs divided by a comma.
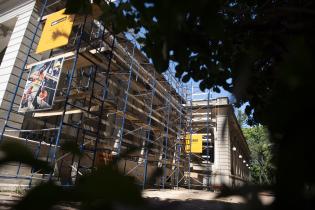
[(196, 143), (56, 31)]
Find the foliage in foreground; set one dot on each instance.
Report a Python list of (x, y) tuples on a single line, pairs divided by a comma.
[(261, 50), (103, 188)]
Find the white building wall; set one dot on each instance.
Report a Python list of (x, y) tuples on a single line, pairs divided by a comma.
[(14, 58), (222, 156)]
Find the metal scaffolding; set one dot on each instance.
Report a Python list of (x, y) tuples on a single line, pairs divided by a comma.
[(109, 99), (199, 122)]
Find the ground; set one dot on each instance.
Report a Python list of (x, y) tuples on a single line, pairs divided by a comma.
[(182, 199)]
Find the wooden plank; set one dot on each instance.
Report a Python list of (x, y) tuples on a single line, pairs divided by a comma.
[(143, 104), (66, 55), (81, 60), (60, 112), (15, 138)]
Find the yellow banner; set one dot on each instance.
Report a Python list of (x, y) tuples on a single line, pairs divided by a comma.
[(196, 143), (56, 31)]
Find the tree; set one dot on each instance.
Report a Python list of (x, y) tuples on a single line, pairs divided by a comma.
[(258, 139), (262, 169), (261, 50), (241, 118)]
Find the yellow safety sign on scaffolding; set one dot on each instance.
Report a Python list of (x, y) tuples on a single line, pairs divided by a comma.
[(196, 143), (56, 31)]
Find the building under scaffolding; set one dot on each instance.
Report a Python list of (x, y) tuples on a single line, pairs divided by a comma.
[(100, 91)]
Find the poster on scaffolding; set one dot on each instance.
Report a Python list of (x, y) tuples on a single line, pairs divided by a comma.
[(196, 143), (56, 31), (41, 85)]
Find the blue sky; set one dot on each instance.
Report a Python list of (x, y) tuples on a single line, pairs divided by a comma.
[(214, 95)]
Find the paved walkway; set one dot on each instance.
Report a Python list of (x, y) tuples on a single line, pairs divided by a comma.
[(181, 199), (196, 199)]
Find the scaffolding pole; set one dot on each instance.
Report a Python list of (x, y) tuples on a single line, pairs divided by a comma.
[(11, 104), (190, 137), (54, 153), (179, 143), (148, 140), (208, 145), (88, 102), (166, 138), (121, 131)]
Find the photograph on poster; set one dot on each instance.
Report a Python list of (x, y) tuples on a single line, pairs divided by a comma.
[(41, 85)]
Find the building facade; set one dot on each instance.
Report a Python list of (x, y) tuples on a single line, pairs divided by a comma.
[(225, 155), (102, 93)]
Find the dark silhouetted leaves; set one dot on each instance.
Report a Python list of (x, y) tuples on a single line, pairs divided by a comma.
[(105, 187), (265, 48), (72, 147), (157, 173), (42, 197), (186, 78), (17, 152), (78, 7)]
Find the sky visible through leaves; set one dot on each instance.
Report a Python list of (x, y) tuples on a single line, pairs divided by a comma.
[(199, 94)]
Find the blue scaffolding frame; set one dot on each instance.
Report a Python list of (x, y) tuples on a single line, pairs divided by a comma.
[(89, 113)]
